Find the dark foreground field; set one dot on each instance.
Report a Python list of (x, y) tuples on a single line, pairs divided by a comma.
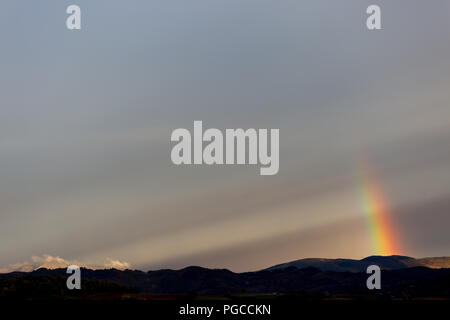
[(194, 282)]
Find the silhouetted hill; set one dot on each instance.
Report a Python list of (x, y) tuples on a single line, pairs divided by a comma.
[(350, 265), (52, 285), (409, 282)]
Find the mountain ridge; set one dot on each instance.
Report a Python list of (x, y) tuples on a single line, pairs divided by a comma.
[(414, 282), (393, 262), (401, 277)]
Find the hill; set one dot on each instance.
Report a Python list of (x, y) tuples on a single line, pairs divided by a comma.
[(349, 265), (407, 282), (401, 277)]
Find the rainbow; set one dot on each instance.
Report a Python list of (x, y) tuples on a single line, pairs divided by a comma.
[(381, 228)]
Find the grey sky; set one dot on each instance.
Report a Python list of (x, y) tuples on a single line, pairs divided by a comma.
[(86, 118)]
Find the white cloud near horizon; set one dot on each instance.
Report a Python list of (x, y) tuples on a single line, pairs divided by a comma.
[(52, 262)]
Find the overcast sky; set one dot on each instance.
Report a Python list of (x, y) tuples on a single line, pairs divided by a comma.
[(86, 118)]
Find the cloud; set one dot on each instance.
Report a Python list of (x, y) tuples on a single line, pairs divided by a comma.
[(23, 267), (116, 264), (52, 262)]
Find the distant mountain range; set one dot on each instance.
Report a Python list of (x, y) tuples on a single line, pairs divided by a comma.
[(401, 276), (393, 262), (350, 265)]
